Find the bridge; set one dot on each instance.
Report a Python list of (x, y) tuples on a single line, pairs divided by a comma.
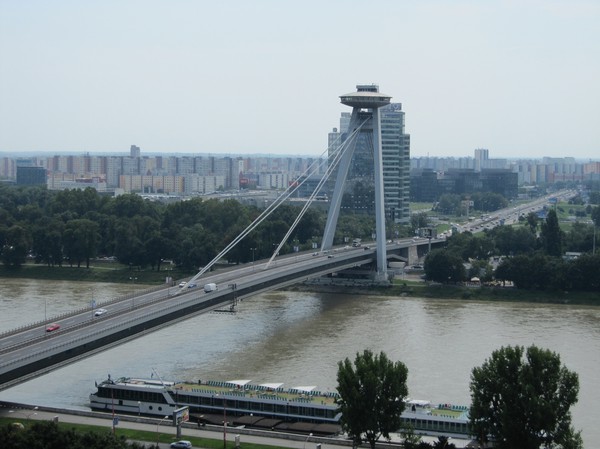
[(31, 351)]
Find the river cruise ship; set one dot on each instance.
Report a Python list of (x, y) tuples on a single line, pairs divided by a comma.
[(268, 405)]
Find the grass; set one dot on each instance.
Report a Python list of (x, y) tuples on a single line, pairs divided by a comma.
[(441, 291), (148, 436), (98, 272)]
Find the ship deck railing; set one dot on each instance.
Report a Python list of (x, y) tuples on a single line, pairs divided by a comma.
[(259, 391)]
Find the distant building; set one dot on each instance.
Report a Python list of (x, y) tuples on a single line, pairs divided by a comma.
[(424, 185), (503, 182), (134, 151), (30, 175), (427, 185), (481, 157)]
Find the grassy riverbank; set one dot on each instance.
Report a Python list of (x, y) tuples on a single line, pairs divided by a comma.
[(420, 289), (113, 272), (104, 272)]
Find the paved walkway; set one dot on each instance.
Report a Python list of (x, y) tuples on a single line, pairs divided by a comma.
[(164, 427)]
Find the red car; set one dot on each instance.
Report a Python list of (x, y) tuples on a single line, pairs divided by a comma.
[(53, 327)]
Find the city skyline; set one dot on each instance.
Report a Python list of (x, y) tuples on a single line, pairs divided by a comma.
[(517, 78)]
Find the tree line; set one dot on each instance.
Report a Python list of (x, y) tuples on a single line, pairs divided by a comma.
[(75, 226), (530, 255)]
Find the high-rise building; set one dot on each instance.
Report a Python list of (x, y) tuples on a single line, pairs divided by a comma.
[(134, 151), (481, 157), (28, 174), (395, 146)]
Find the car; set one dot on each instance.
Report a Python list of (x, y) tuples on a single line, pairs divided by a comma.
[(182, 284), (192, 285), (53, 327), (315, 254), (182, 444), (331, 256), (99, 312)]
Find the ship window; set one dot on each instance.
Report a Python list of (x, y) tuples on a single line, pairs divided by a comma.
[(159, 409), (256, 406), (150, 407), (268, 407)]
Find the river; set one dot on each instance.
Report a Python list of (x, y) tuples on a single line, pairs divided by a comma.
[(298, 338)]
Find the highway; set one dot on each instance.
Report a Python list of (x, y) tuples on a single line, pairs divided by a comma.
[(510, 215)]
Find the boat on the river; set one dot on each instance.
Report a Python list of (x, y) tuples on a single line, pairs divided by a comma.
[(267, 406)]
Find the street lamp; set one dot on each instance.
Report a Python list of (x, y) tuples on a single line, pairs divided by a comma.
[(139, 408), (306, 441), (133, 279), (159, 423), (224, 421), (252, 249)]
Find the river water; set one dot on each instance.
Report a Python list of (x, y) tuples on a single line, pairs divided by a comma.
[(298, 338)]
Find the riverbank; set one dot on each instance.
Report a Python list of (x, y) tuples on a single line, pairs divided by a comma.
[(98, 272), (422, 289), (409, 287)]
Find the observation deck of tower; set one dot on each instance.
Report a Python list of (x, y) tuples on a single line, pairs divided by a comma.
[(365, 99)]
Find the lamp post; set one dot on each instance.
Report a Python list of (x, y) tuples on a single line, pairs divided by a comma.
[(133, 279), (252, 249), (224, 423), (224, 419), (306, 441), (139, 408), (159, 423)]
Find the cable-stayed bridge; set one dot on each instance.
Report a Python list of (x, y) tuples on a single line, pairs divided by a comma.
[(31, 350)]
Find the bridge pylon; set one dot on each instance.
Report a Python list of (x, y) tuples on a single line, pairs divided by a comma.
[(365, 119)]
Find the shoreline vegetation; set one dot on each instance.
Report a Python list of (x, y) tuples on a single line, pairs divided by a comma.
[(116, 273)]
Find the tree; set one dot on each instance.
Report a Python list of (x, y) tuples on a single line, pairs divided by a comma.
[(47, 434), (532, 222), (523, 398), (372, 394), (444, 266), (15, 243), (419, 220), (551, 235), (81, 241), (596, 216), (449, 203)]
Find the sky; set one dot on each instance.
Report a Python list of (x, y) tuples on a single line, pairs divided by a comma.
[(520, 78)]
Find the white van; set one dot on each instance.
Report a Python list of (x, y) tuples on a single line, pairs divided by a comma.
[(210, 287)]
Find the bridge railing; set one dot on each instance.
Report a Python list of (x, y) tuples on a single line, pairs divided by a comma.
[(80, 310), (171, 305)]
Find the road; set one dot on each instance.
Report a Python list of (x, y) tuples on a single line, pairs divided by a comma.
[(162, 427), (510, 215), (157, 427)]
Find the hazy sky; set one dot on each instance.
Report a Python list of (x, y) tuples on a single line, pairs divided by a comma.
[(521, 78)]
